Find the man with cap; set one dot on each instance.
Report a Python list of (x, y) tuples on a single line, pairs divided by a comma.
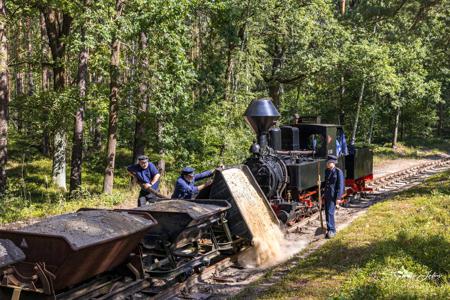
[(185, 185), (147, 176), (334, 189)]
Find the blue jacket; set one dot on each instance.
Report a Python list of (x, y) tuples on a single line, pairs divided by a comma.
[(145, 175), (185, 189), (334, 184)]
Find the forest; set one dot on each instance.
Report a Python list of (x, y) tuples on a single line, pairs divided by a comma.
[(88, 85)]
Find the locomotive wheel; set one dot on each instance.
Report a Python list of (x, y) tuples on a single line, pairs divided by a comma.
[(283, 216)]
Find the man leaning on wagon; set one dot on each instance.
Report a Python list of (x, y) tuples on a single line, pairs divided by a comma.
[(185, 187), (147, 176)]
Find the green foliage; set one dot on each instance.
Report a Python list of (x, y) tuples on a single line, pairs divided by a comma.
[(206, 60)]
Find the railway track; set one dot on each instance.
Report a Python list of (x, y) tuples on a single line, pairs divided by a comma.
[(208, 286)]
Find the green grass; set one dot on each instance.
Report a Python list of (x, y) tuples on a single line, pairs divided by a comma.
[(400, 249)]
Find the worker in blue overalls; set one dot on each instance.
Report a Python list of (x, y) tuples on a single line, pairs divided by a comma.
[(185, 187), (147, 176), (334, 189)]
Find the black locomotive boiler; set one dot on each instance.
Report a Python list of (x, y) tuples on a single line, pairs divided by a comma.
[(289, 161)]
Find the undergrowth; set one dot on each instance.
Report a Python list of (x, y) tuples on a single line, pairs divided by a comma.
[(415, 149)]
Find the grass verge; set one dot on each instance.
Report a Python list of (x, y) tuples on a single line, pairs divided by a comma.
[(400, 249)]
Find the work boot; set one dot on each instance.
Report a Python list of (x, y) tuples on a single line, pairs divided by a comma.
[(330, 235)]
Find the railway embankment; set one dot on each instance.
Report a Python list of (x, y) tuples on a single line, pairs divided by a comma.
[(397, 249)]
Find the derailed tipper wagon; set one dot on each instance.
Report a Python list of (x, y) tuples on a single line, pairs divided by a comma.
[(189, 235), (248, 201), (64, 252)]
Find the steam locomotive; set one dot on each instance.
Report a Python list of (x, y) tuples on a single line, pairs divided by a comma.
[(288, 162)]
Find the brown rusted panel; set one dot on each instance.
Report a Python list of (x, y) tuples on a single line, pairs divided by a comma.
[(179, 220), (75, 247)]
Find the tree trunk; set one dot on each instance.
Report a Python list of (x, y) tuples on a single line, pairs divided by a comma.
[(229, 72), (358, 109), (139, 132), (19, 76), (440, 125), (275, 87), (58, 28), (113, 107), (59, 159), (372, 123), (77, 147), (397, 122), (343, 7), (30, 81), (97, 133), (402, 129), (162, 150), (4, 96), (45, 85), (339, 109)]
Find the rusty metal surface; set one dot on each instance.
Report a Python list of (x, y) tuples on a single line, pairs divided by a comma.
[(84, 228), (196, 211), (66, 250), (179, 220), (9, 253)]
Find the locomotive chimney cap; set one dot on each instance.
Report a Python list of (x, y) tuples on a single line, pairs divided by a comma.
[(261, 114)]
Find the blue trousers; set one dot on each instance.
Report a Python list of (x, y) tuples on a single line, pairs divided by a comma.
[(330, 208)]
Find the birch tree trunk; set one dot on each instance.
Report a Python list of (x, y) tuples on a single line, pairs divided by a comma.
[(358, 110), (4, 96), (343, 7), (113, 107), (397, 122)]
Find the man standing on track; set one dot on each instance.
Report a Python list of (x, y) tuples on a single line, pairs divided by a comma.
[(334, 189), (147, 177)]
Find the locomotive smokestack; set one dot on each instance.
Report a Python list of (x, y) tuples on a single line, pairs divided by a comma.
[(261, 114)]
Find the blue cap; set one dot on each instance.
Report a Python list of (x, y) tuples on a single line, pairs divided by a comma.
[(332, 159), (187, 170), (142, 157)]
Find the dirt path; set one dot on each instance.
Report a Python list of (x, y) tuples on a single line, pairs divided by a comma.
[(394, 165)]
